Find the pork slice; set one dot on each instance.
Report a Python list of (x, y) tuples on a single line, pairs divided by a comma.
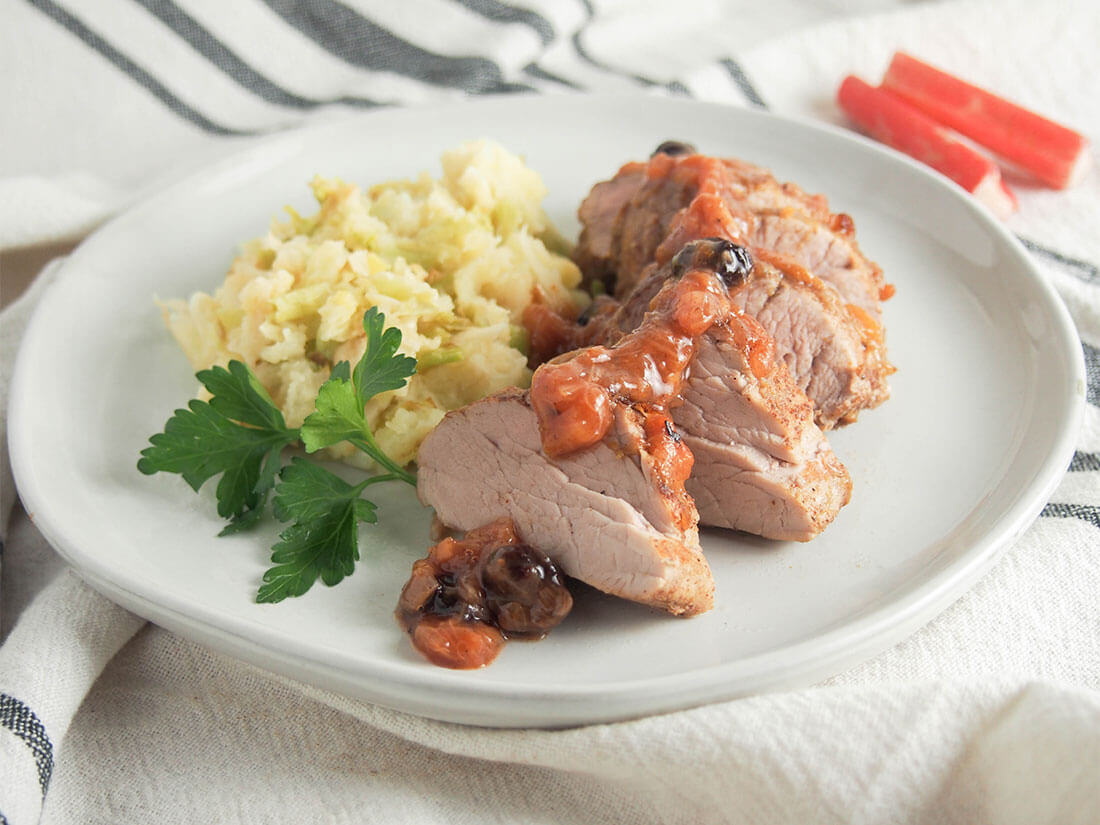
[(761, 464), (837, 360), (643, 224), (732, 199), (839, 363), (600, 514), (830, 255), (598, 214), (791, 222)]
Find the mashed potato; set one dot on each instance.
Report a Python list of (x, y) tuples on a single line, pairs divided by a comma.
[(451, 262)]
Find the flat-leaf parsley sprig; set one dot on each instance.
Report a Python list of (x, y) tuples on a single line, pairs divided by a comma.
[(338, 414), (241, 434)]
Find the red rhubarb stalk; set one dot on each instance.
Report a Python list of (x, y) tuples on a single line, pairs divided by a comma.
[(1054, 154), (894, 122)]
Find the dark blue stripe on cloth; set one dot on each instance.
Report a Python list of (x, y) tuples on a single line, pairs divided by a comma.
[(1086, 512), (536, 71), (502, 13), (362, 42), (1092, 373), (199, 38), (743, 82), (1086, 271), (136, 73), (20, 720), (1084, 462), (675, 87)]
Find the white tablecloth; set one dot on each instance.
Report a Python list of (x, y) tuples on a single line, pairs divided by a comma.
[(991, 713)]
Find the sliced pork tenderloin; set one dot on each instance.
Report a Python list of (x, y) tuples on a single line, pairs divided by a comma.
[(835, 359), (801, 226), (821, 299), (602, 514), (762, 464), (635, 218), (594, 472), (598, 214)]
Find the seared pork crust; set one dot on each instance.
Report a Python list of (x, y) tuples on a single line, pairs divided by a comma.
[(823, 305), (598, 513)]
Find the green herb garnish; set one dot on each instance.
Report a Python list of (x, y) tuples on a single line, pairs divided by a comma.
[(338, 414), (240, 434), (323, 541)]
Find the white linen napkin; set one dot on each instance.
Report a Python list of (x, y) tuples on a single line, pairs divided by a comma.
[(991, 713)]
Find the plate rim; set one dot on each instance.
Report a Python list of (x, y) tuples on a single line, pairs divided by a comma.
[(871, 631)]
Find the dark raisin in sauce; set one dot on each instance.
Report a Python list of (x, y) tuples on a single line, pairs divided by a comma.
[(673, 148), (471, 595)]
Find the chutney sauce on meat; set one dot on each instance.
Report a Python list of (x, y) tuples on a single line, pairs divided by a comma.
[(470, 595), (699, 216), (573, 394)]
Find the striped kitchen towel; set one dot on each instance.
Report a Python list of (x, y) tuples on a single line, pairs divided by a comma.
[(165, 86)]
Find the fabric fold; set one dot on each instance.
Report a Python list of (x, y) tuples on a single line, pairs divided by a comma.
[(48, 663)]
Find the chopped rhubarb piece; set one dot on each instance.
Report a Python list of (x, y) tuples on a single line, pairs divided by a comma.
[(892, 121), (1055, 155)]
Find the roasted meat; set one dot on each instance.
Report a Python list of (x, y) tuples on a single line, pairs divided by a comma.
[(832, 357), (761, 464), (822, 302), (591, 464), (602, 513)]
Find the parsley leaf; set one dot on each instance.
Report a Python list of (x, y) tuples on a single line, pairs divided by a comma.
[(239, 433), (339, 414), (323, 540), (381, 368)]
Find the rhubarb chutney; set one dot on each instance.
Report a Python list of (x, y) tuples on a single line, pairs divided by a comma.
[(574, 394), (471, 595)]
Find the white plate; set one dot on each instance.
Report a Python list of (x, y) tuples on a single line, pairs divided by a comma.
[(980, 427)]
